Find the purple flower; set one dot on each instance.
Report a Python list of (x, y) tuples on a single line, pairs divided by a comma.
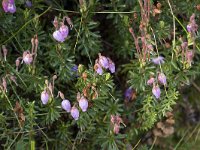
[(27, 57), (189, 56), (66, 105), (74, 68), (83, 104), (57, 35), (158, 60), (9, 6), (162, 78), (111, 66), (189, 28), (29, 4), (44, 97), (61, 34), (64, 31), (128, 93), (156, 91), (98, 69), (103, 61), (75, 113), (150, 81)]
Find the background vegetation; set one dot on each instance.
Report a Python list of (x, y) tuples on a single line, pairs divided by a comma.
[(143, 38)]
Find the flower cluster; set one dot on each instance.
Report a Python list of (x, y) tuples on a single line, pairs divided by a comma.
[(104, 63), (62, 30), (115, 122), (156, 89), (9, 6), (66, 105), (187, 55), (192, 26)]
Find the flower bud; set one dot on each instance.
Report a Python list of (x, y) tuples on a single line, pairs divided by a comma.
[(150, 81), (17, 62), (66, 105), (44, 97), (75, 113), (116, 128), (189, 56), (5, 51), (162, 78), (83, 104), (156, 91)]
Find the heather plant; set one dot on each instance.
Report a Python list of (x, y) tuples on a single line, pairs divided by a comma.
[(108, 74)]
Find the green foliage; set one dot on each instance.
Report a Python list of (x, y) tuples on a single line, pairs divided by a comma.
[(116, 29)]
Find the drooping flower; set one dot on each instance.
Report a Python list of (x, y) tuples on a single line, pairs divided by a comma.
[(192, 26), (44, 97), (189, 56), (9, 6), (83, 104), (151, 81), (128, 93), (57, 35), (158, 60), (103, 61), (75, 113), (111, 66), (28, 3), (115, 122), (116, 128), (64, 31), (189, 28), (66, 105), (27, 57), (61, 32), (156, 91), (98, 69), (162, 78)]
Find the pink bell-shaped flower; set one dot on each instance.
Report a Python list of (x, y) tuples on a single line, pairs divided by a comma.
[(27, 57), (75, 113), (156, 91), (162, 78), (44, 97), (57, 35), (66, 105), (83, 104), (9, 6)]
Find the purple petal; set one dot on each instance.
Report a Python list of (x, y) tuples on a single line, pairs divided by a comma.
[(103, 61), (75, 113), (66, 105), (44, 97), (64, 31), (83, 104), (58, 36), (162, 78), (156, 92), (158, 60)]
